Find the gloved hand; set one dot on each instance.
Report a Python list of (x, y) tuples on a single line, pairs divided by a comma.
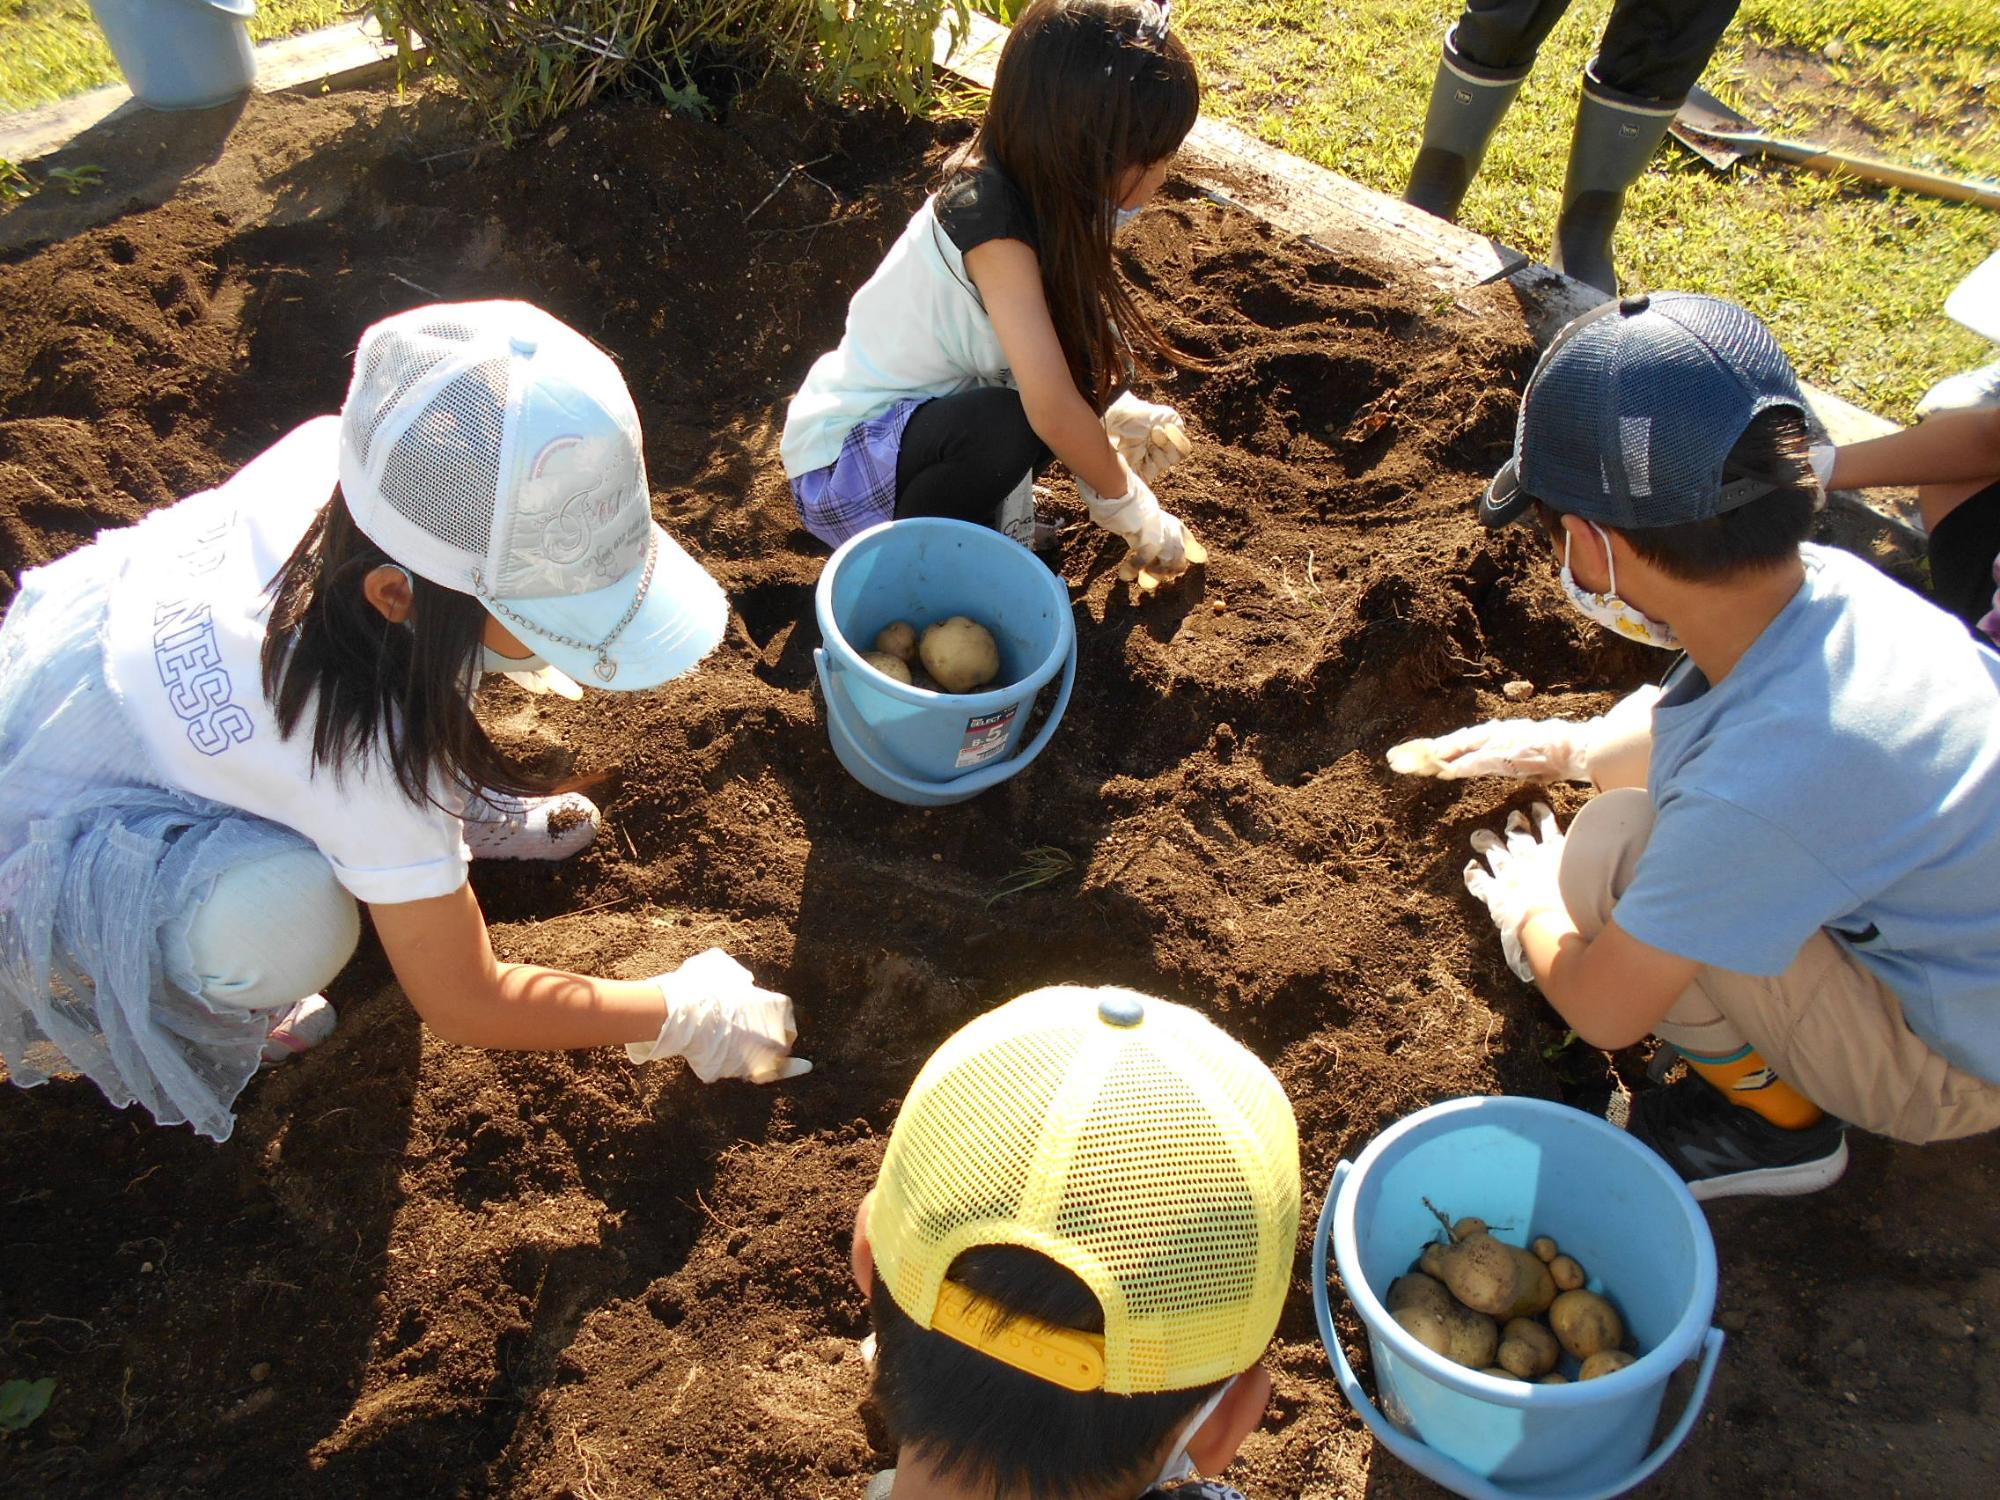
[(1820, 456), (1158, 543), (1522, 878), (1527, 749), (1149, 437), (723, 1024)]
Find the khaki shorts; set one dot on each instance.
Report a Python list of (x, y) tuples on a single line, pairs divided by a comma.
[(1828, 1026)]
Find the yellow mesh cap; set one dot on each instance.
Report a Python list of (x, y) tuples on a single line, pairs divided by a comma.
[(1129, 1140)]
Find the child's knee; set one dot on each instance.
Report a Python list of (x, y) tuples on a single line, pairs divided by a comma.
[(272, 930), (1601, 855)]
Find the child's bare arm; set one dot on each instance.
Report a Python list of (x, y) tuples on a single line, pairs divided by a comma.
[(1954, 447), (1009, 279)]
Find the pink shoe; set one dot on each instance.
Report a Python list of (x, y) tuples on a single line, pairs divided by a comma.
[(299, 1027)]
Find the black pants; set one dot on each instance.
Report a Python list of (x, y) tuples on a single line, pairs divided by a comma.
[(1962, 549), (1652, 49), (962, 455)]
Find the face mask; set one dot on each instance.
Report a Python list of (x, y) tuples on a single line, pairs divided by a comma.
[(492, 661), (1121, 216), (1179, 1466), (1610, 611)]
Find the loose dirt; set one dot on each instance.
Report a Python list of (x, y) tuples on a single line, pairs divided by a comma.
[(418, 1269)]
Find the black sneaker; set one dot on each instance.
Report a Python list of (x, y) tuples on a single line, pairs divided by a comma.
[(1723, 1150)]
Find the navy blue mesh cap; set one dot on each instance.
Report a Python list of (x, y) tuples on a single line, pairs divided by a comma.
[(1633, 409)]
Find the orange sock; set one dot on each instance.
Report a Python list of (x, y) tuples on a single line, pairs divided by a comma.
[(1747, 1081)]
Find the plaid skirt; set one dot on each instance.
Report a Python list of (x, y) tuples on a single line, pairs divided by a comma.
[(858, 489)]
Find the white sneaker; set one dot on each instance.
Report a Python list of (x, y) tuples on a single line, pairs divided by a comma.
[(299, 1027), (501, 826), (1970, 390)]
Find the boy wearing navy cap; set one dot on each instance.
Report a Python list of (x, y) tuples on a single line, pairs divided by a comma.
[(1790, 872)]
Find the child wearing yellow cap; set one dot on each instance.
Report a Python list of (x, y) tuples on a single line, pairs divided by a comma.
[(1076, 1253)]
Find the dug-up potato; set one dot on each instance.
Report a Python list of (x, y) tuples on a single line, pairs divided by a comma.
[(1605, 1363), (1586, 1323), (1418, 1290), (890, 665), (1462, 1336), (1496, 1278), (1527, 1349), (960, 653), (1567, 1274), (899, 639)]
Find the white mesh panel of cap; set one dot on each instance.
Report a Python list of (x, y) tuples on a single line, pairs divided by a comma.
[(444, 470), (390, 368)]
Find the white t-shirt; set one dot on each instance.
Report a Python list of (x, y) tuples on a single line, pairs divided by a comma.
[(182, 644), (916, 329)]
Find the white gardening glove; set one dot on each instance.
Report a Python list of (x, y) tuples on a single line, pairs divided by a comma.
[(723, 1024), (1526, 749), (1522, 878), (1149, 437), (1820, 456), (1157, 542)]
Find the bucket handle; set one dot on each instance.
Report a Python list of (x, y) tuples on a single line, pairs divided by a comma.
[(972, 782), (1448, 1472)]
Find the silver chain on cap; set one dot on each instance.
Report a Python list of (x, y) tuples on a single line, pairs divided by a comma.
[(604, 667)]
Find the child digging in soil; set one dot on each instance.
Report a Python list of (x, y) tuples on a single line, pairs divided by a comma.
[(1790, 872), (1076, 1253), (224, 726), (996, 329)]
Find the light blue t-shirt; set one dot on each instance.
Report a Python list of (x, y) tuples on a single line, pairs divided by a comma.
[(1846, 776)]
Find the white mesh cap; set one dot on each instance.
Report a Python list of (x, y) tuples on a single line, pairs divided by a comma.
[(492, 449)]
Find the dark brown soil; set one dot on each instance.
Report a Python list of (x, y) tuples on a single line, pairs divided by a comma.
[(418, 1269)]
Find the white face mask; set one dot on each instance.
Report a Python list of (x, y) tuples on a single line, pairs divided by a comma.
[(492, 661), (1179, 1466), (1610, 611)]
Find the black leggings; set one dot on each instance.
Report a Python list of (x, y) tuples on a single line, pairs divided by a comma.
[(1652, 49), (962, 455)]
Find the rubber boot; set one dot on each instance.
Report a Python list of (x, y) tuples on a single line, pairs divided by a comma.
[(1616, 135), (1467, 101)]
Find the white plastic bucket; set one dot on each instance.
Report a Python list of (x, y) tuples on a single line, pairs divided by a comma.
[(180, 54), (1527, 1167)]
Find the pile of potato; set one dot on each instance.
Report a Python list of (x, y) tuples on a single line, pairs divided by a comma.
[(1505, 1311), (957, 655)]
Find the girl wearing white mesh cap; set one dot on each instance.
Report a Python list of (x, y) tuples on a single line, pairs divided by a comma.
[(223, 727)]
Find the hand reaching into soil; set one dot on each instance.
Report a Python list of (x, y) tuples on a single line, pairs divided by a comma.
[(1161, 549), (723, 1024), (1525, 749)]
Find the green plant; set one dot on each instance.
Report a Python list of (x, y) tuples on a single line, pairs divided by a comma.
[(22, 1401), (1042, 865), (14, 183), (524, 62), (74, 180)]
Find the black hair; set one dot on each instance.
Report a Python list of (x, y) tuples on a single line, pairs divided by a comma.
[(1754, 537), (365, 684), (1085, 91), (986, 1424)]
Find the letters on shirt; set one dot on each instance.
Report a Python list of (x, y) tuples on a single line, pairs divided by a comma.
[(189, 660)]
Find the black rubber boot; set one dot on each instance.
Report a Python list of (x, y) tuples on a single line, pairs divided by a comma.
[(1467, 101), (1616, 135)]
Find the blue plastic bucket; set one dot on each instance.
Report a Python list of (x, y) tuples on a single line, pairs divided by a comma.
[(908, 743), (180, 54), (1527, 1167)]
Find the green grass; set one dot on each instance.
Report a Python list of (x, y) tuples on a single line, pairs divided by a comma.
[(50, 49), (1852, 281)]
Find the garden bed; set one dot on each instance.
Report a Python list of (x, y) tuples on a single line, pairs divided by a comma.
[(418, 1269)]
